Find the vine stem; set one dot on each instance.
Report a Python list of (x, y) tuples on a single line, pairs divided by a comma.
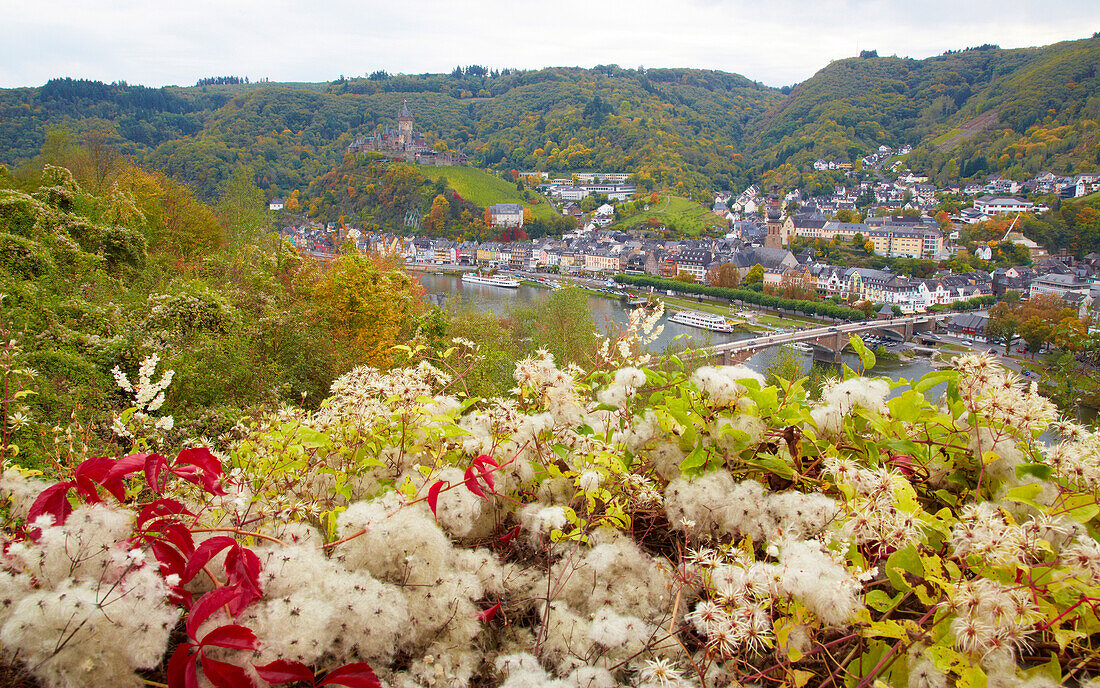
[(243, 533), (341, 541)]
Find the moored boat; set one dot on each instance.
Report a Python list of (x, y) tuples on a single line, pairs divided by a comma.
[(704, 321), (507, 282)]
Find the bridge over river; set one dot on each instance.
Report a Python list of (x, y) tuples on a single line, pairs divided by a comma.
[(828, 341)]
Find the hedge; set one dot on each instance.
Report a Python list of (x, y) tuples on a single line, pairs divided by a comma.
[(820, 308)]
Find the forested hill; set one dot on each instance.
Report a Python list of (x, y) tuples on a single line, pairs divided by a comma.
[(674, 126), (973, 111), (1020, 111)]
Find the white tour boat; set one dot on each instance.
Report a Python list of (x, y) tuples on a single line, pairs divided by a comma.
[(704, 321), (508, 282), (801, 346)]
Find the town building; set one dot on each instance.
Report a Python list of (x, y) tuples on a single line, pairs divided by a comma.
[(506, 215)]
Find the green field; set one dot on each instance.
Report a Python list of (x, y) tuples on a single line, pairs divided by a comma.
[(487, 189), (686, 216)]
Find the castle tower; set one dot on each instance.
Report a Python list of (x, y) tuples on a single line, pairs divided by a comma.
[(405, 125), (773, 215)]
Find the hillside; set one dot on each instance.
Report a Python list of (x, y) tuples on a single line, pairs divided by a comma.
[(674, 212), (486, 189)]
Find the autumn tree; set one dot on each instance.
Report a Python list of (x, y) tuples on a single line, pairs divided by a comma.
[(370, 306), (436, 221), (685, 276), (1035, 332), (724, 275), (1003, 325), (241, 205), (293, 205), (1069, 334), (755, 275)]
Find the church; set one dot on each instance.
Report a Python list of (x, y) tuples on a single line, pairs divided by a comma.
[(405, 144)]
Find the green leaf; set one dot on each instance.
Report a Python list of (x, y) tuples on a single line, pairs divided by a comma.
[(312, 439), (903, 561), (694, 462), (1025, 494), (972, 677), (930, 380), (1039, 470), (878, 600), (866, 356), (1080, 507)]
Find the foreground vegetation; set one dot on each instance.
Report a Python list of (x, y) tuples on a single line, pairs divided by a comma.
[(634, 523)]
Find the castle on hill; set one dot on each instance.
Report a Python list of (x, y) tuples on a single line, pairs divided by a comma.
[(406, 144)]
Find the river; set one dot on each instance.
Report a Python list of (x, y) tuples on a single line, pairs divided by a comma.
[(607, 313)]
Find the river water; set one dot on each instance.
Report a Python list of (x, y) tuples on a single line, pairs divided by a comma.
[(608, 312)]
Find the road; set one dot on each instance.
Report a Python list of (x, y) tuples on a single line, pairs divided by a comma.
[(812, 333)]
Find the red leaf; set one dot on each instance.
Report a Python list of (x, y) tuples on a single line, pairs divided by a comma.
[(509, 536), (487, 476), (205, 552), (489, 613), (54, 500), (170, 560), (471, 482), (354, 675), (154, 464), (160, 508), (485, 458), (242, 568), (224, 674), (233, 636), (433, 494), (207, 605), (284, 671), (208, 465), (131, 463), (96, 471), (179, 536), (181, 668)]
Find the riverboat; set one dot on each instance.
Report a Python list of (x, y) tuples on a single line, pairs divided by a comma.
[(704, 321), (802, 346), (506, 282)]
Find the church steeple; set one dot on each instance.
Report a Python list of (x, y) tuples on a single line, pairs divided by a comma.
[(405, 125)]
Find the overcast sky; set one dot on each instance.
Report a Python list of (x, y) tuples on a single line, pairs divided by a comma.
[(778, 42)]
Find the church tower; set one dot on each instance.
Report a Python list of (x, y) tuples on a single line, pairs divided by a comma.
[(773, 215), (405, 125)]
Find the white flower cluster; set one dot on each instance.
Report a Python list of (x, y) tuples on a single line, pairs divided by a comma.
[(148, 398), (628, 347), (714, 504), (1074, 459), (148, 395), (992, 391), (619, 392), (723, 384), (983, 532), (873, 515), (736, 614), (540, 380), (838, 399), (80, 607), (992, 619)]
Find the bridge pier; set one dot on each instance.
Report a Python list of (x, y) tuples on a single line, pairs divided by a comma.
[(823, 355)]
